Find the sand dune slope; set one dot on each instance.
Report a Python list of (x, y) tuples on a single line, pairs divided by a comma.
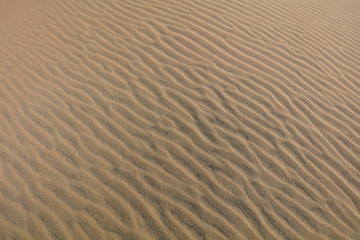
[(173, 119)]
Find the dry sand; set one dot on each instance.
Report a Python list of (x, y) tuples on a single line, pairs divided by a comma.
[(204, 119)]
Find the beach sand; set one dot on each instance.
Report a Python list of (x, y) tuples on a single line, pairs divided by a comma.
[(203, 119)]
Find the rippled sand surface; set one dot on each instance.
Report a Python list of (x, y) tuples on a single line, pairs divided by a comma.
[(203, 119)]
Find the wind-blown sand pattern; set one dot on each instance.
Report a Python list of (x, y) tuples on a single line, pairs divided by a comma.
[(204, 119)]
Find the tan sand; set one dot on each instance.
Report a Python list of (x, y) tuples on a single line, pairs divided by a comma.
[(204, 119)]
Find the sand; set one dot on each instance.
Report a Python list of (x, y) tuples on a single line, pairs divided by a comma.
[(203, 119)]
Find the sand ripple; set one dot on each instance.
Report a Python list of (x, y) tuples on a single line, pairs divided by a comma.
[(173, 119)]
